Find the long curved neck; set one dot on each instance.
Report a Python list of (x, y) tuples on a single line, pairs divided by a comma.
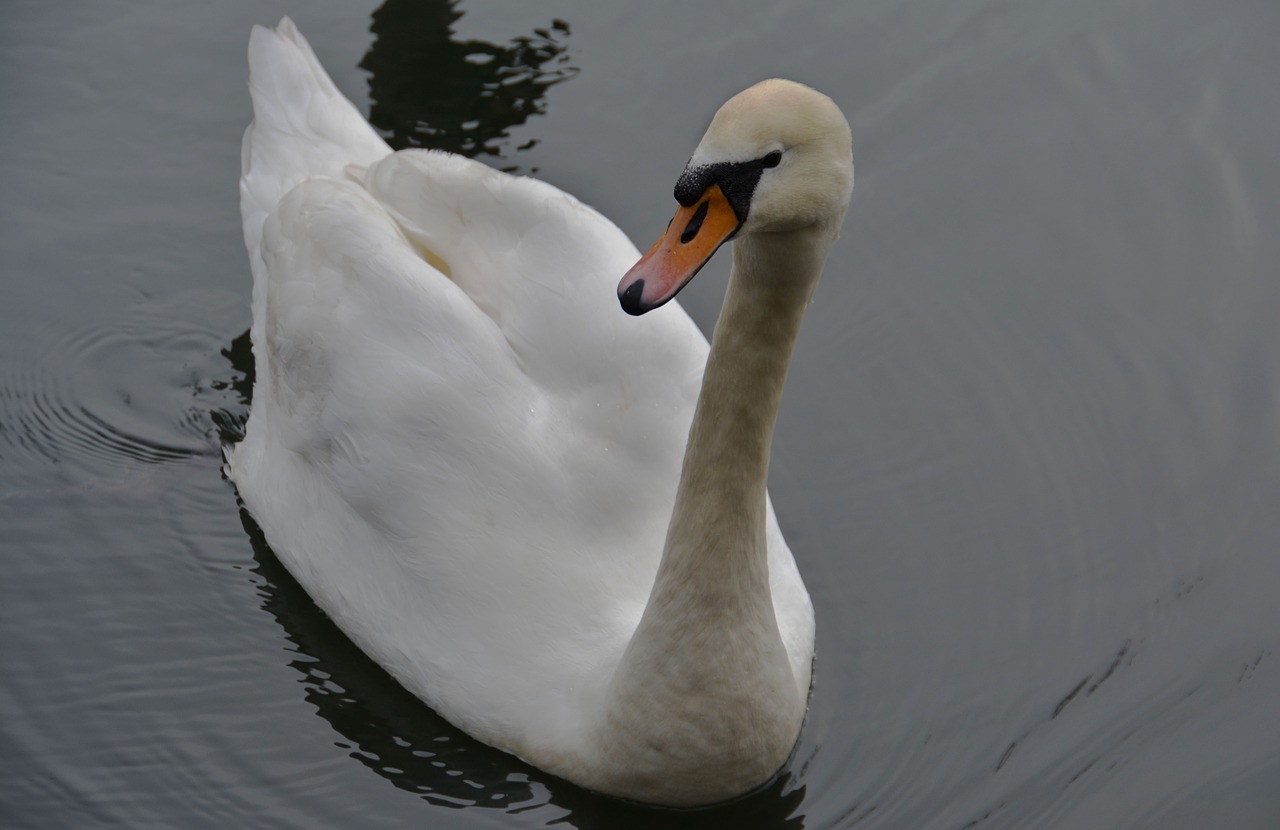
[(705, 685), (717, 527)]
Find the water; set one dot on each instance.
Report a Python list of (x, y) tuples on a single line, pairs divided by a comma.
[(1028, 459)]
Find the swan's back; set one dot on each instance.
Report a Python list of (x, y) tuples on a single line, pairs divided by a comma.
[(459, 445)]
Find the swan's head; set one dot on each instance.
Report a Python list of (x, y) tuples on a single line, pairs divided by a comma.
[(777, 157)]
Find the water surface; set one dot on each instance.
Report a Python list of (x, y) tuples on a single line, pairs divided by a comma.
[(1028, 459)]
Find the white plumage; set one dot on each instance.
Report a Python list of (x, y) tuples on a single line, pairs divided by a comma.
[(460, 445)]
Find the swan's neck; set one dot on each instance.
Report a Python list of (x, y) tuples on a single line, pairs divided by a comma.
[(715, 542), (705, 686)]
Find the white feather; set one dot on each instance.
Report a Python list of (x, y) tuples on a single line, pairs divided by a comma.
[(459, 445)]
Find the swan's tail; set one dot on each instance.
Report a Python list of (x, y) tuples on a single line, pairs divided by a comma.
[(302, 126)]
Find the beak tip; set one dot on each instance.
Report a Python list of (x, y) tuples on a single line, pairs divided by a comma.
[(630, 299)]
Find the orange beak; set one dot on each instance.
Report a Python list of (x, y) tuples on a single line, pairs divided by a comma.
[(695, 233)]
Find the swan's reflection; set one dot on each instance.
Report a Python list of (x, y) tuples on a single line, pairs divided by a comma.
[(430, 90)]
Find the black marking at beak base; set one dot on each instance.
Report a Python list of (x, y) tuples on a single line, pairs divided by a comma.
[(737, 180)]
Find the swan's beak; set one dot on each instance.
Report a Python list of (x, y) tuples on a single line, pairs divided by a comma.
[(692, 237)]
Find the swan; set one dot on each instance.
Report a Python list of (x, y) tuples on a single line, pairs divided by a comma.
[(536, 512)]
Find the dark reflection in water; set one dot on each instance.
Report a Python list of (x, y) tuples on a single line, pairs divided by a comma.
[(230, 421), (430, 90)]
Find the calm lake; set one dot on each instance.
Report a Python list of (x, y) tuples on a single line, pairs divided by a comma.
[(1028, 459)]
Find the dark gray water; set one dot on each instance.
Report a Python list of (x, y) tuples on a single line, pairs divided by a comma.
[(1029, 457)]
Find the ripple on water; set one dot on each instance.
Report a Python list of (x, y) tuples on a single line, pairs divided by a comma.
[(143, 390)]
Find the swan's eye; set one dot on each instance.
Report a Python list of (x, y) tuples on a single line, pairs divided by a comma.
[(772, 160)]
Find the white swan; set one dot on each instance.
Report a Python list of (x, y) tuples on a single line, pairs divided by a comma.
[(469, 456)]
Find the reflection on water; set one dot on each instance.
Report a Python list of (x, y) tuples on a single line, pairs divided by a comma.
[(430, 90), (230, 420)]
